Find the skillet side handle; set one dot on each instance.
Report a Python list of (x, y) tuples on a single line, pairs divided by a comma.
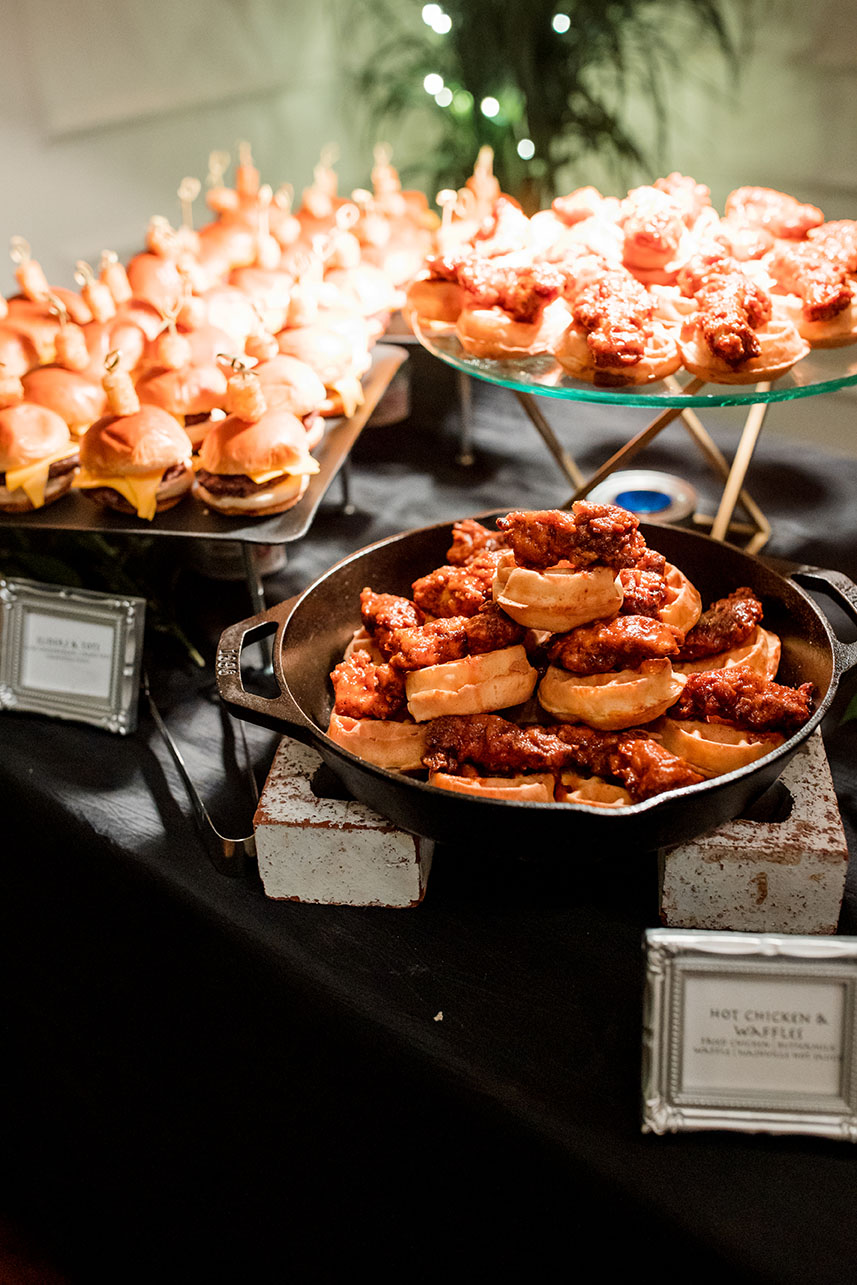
[(844, 592), (266, 712)]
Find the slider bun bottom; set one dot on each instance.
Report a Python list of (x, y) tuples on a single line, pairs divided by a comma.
[(274, 499), (557, 599), (714, 748), (612, 701), (661, 358), (684, 604), (536, 787), (761, 652), (592, 790), (474, 685), (18, 501), (398, 746)]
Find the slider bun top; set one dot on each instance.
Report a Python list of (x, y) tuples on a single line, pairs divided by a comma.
[(290, 383), (75, 398), (28, 433), (129, 445), (192, 390), (274, 444)]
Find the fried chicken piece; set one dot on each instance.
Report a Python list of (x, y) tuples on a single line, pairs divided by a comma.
[(453, 637), (645, 592), (490, 629), (454, 591), (691, 197), (621, 643), (654, 222), (821, 283), (383, 613), (727, 623), (490, 742), (780, 214), (471, 540), (731, 307), (580, 204), (444, 267), (434, 643), (366, 690), (589, 533), (616, 312), (838, 241), (522, 292), (739, 697), (503, 231)]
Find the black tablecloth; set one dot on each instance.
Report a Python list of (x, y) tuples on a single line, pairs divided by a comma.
[(202, 1084)]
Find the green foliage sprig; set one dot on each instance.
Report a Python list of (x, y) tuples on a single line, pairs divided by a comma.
[(565, 90)]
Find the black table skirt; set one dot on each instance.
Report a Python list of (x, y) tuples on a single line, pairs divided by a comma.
[(202, 1084)]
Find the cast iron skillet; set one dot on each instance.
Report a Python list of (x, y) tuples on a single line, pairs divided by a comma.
[(314, 628)]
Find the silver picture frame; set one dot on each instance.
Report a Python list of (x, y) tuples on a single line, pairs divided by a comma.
[(750, 1032), (71, 653)]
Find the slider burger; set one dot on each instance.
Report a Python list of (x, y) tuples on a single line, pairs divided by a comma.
[(337, 357), (290, 384), (74, 397), (256, 462), (37, 457), (136, 459), (189, 395)]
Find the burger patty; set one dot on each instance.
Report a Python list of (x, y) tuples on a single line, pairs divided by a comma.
[(57, 469), (113, 500), (234, 483)]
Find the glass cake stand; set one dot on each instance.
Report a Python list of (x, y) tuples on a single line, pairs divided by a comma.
[(823, 370)]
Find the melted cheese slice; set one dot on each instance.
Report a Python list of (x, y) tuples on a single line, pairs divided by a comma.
[(306, 465), (140, 491), (33, 478), (350, 390)]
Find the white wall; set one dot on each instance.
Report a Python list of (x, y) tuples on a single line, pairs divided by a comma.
[(104, 108)]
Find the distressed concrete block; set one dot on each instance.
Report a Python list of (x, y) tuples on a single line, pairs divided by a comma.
[(331, 851), (765, 876)]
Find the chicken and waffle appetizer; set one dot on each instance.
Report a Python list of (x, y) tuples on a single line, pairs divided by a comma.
[(612, 701)]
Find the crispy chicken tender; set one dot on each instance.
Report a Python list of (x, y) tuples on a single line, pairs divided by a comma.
[(821, 283), (622, 643), (454, 590), (727, 623), (616, 312), (488, 741), (730, 306), (739, 697), (838, 241), (522, 292), (691, 197), (589, 533), (383, 613), (454, 637), (471, 540), (782, 215), (645, 592), (366, 690)]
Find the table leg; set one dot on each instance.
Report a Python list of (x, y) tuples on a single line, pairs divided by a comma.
[(562, 457), (465, 398), (345, 484)]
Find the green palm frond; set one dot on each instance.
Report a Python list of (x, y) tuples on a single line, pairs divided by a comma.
[(567, 91)]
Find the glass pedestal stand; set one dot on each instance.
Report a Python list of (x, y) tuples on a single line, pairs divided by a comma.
[(534, 378)]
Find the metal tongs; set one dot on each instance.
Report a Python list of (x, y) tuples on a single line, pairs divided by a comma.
[(229, 856)]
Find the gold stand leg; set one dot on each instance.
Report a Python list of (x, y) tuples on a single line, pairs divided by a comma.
[(543, 428)]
